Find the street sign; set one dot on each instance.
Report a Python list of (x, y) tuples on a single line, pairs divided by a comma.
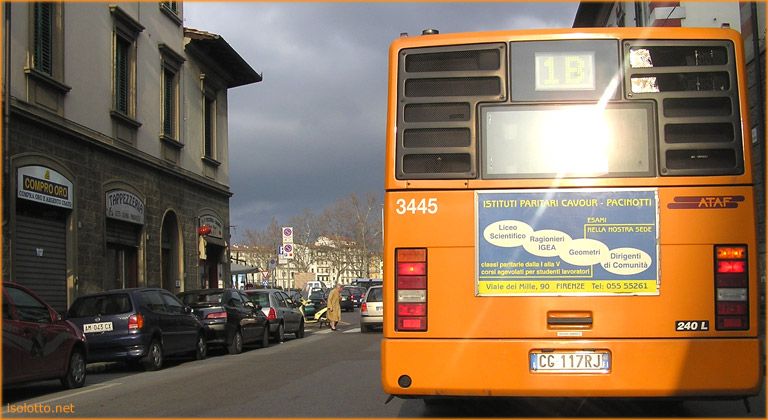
[(287, 235)]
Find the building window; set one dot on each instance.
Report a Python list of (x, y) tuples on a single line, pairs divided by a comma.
[(171, 68), (173, 6), (125, 32), (45, 69), (210, 142), (172, 9)]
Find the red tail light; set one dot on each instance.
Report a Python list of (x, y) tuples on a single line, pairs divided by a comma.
[(731, 287), (272, 314), (216, 315), (411, 289), (364, 307), (412, 309), (135, 322)]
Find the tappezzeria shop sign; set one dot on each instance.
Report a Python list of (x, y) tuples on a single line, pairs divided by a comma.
[(122, 205), (44, 185)]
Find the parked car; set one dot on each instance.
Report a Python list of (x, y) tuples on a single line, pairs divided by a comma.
[(311, 286), (372, 309), (319, 299), (283, 313), (142, 325), (229, 317), (358, 293), (345, 302), (37, 343)]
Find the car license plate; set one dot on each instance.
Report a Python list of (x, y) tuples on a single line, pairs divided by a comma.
[(570, 361), (97, 327)]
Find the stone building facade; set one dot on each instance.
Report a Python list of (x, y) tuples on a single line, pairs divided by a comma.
[(115, 149)]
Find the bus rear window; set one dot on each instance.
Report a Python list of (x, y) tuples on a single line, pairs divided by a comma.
[(542, 141)]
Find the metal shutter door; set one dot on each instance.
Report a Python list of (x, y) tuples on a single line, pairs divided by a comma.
[(46, 274)]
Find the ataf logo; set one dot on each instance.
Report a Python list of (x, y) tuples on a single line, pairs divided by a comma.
[(707, 202)]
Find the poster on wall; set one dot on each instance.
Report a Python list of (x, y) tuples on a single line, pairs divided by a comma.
[(567, 242)]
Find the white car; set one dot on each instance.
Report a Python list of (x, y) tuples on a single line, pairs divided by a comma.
[(372, 309), (311, 286)]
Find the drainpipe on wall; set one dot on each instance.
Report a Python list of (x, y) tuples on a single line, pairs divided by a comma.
[(6, 111)]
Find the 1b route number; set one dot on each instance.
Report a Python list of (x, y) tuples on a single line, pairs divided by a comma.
[(423, 206)]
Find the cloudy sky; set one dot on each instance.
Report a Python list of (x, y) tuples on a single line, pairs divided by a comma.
[(313, 130)]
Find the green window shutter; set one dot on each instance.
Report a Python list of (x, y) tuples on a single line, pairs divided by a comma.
[(168, 103), (208, 127), (43, 42), (121, 75)]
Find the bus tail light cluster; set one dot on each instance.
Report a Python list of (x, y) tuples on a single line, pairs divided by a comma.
[(731, 287), (411, 289)]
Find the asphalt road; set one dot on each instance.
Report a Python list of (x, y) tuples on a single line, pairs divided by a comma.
[(325, 374)]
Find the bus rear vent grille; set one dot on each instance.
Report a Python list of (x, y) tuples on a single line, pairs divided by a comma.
[(694, 84), (438, 92)]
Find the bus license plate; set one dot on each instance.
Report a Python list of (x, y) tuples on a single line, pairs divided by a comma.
[(577, 361), (97, 327)]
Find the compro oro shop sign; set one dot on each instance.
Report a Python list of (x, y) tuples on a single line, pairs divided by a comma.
[(44, 185)]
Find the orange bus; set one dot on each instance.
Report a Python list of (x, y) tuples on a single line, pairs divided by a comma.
[(570, 213)]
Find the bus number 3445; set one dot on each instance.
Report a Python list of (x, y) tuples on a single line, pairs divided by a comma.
[(423, 206)]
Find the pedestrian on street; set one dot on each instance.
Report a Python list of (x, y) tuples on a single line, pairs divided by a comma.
[(334, 306)]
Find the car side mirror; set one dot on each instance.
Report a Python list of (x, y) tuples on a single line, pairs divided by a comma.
[(187, 310)]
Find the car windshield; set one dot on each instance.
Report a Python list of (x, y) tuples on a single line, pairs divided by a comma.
[(111, 304), (261, 299), (317, 295), (192, 298)]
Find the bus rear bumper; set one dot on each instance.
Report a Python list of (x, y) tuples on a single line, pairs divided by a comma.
[(729, 367)]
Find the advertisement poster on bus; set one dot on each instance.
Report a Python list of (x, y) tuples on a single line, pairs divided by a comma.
[(567, 242)]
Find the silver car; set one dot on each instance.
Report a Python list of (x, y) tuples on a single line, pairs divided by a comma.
[(372, 309), (283, 313)]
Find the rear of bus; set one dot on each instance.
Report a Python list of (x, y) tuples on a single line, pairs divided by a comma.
[(570, 214)]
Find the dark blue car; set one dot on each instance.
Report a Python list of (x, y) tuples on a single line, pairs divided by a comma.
[(138, 326), (229, 317)]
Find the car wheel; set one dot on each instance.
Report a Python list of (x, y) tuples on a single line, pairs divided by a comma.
[(265, 337), (300, 331), (154, 359), (280, 333), (237, 344), (364, 328), (202, 347), (75, 376)]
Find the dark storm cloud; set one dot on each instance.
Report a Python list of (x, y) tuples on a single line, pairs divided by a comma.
[(313, 130)]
